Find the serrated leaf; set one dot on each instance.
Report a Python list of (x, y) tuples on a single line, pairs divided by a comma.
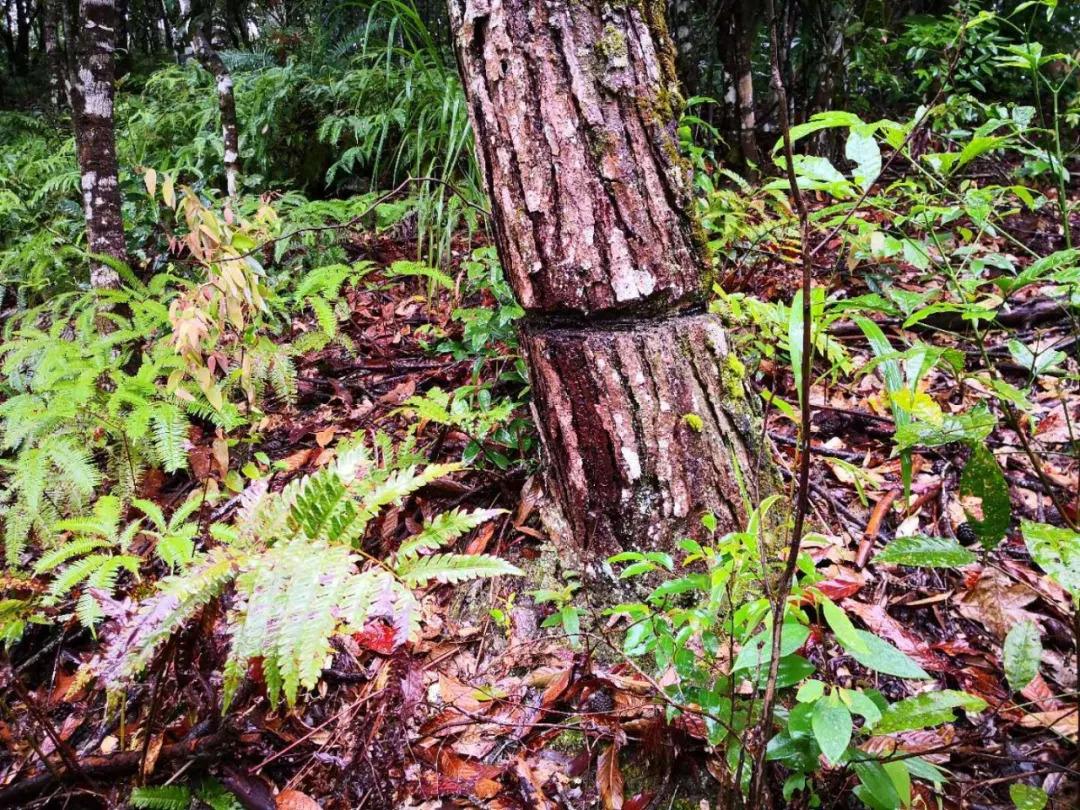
[(983, 483), (925, 552), (926, 710), (1022, 654)]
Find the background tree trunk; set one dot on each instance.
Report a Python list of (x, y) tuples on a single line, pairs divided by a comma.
[(745, 26), (95, 139), (195, 21), (53, 62), (574, 104)]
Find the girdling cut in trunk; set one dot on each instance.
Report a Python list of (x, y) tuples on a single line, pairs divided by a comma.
[(196, 23), (574, 105), (95, 139)]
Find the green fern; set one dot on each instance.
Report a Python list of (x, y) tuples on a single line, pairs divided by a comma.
[(165, 797), (298, 581)]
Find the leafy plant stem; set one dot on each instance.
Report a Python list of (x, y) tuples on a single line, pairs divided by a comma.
[(783, 589)]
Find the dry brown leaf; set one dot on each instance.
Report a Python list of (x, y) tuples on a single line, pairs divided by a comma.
[(295, 800), (997, 602), (609, 778), (1065, 722)]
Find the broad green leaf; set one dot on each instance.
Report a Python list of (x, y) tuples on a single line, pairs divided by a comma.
[(985, 495), (879, 784), (757, 651), (971, 427), (864, 152), (925, 552), (1026, 797), (841, 625), (832, 727), (858, 703), (883, 657), (1057, 552), (926, 710), (1023, 654)]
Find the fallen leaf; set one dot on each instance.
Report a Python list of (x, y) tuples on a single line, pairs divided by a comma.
[(997, 602), (324, 437), (295, 800), (1065, 722), (609, 778)]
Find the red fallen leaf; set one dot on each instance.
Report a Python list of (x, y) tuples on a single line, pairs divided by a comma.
[(847, 582), (377, 636), (295, 800), (640, 802), (609, 778), (1040, 693), (982, 683), (881, 623)]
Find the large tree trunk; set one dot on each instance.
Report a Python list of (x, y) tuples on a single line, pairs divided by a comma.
[(574, 104), (95, 140), (196, 20)]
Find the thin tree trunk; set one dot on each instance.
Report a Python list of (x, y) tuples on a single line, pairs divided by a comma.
[(22, 37), (95, 139), (745, 33), (196, 23), (53, 62), (639, 404)]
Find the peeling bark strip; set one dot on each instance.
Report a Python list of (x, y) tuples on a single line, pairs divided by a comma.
[(574, 104), (95, 140), (635, 428), (195, 20)]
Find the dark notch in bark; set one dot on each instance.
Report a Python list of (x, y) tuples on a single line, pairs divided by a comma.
[(95, 140), (640, 407), (196, 21)]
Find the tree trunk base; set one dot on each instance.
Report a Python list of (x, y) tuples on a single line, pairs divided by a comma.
[(646, 427)]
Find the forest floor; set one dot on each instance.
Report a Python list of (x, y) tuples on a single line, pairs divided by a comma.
[(488, 710)]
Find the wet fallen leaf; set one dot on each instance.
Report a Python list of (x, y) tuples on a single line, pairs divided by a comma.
[(295, 800), (997, 602), (609, 778)]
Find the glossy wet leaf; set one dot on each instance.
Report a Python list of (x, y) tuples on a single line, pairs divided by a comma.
[(883, 657), (832, 727), (1022, 654), (926, 710), (925, 552), (1056, 551), (983, 483)]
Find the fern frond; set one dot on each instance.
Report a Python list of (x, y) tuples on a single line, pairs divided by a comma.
[(452, 568), (68, 551), (177, 600), (290, 595), (170, 429), (162, 797), (443, 529)]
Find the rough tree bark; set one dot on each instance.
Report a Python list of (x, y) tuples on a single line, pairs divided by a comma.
[(640, 406), (195, 21), (95, 139)]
